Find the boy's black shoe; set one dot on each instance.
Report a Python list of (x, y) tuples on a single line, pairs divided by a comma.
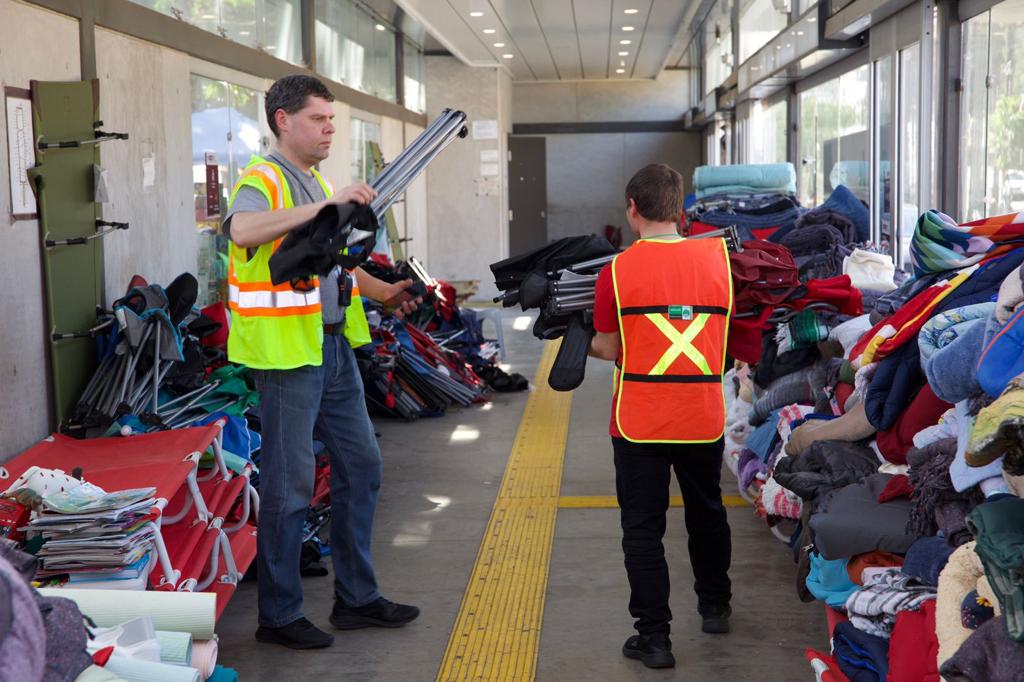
[(654, 651)]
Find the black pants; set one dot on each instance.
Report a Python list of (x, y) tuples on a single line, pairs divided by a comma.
[(642, 477)]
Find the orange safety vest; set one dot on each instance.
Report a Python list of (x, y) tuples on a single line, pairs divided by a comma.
[(674, 298)]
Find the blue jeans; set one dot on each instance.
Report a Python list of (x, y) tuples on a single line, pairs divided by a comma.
[(297, 405)]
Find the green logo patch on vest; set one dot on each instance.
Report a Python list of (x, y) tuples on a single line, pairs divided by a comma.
[(680, 312)]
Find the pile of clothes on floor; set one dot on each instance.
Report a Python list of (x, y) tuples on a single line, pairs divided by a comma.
[(883, 441), (758, 199)]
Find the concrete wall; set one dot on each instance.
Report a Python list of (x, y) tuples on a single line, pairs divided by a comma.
[(662, 99), (587, 173), (468, 227), (161, 242), (34, 45), (584, 202)]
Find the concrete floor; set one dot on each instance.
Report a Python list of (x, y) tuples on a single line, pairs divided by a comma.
[(440, 481)]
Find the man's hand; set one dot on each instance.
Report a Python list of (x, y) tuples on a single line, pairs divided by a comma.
[(392, 298), (360, 193)]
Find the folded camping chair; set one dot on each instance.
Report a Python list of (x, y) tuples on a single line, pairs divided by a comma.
[(168, 461)]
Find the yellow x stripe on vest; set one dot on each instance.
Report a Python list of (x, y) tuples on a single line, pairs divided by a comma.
[(682, 343)]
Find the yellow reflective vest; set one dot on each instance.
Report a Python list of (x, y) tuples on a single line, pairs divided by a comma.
[(275, 326)]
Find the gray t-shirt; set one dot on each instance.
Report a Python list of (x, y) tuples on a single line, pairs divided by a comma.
[(305, 189)]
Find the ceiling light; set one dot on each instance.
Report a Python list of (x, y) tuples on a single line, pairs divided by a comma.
[(628, 28), (811, 20), (620, 71), (476, 14), (622, 62), (625, 42), (507, 56), (799, 33), (499, 44), (380, 27), (624, 53), (630, 11), (489, 31)]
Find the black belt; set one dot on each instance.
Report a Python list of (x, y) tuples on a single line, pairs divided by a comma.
[(664, 309), (674, 378), (334, 329)]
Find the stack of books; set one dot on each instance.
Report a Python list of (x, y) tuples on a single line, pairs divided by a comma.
[(97, 539)]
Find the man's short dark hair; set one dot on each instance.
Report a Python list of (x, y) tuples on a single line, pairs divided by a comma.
[(657, 190), (290, 93)]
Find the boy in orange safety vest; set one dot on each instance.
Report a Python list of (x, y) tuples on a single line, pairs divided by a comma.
[(661, 312)]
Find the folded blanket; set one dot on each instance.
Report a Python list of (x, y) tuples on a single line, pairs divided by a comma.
[(862, 657), (962, 574), (852, 521), (944, 328), (845, 202), (755, 177), (869, 270), (987, 656)]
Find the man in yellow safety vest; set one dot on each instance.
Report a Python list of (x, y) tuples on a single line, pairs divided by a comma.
[(298, 344)]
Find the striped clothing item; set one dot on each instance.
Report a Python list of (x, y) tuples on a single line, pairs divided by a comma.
[(873, 608), (940, 244)]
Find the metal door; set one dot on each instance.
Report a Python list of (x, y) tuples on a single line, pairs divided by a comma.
[(527, 193)]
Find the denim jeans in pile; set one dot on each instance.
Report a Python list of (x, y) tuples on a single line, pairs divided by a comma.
[(297, 405)]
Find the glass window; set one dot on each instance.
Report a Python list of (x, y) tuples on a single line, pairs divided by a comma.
[(805, 5), (767, 139), (885, 117), (833, 137), (227, 129), (991, 113), (274, 26), (910, 148), (760, 21), (718, 56), (414, 77), (355, 48), (362, 163)]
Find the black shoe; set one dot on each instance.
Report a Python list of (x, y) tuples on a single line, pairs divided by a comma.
[(654, 651), (716, 620), (381, 613), (299, 634)]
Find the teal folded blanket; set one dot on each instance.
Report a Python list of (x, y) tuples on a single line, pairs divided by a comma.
[(764, 177)]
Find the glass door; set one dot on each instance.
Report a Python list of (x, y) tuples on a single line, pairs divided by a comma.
[(895, 53)]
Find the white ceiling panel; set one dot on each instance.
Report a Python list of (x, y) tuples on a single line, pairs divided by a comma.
[(593, 25), (521, 22), (659, 37), (559, 26), (551, 40)]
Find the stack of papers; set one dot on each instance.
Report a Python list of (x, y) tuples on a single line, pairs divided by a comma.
[(91, 535)]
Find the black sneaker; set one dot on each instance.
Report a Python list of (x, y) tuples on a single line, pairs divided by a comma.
[(716, 620), (299, 634), (381, 613), (654, 651)]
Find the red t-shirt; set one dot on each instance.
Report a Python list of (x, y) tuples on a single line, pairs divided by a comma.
[(606, 321)]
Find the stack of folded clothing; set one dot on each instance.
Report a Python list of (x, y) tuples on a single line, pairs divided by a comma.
[(758, 199)]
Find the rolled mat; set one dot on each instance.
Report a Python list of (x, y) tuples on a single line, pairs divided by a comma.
[(133, 670), (222, 674), (95, 673), (175, 647), (204, 657), (192, 612)]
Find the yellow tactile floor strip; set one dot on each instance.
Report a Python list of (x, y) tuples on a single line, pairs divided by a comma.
[(609, 501), (497, 632)]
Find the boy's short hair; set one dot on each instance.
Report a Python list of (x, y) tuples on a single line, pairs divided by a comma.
[(657, 190), (290, 93)]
